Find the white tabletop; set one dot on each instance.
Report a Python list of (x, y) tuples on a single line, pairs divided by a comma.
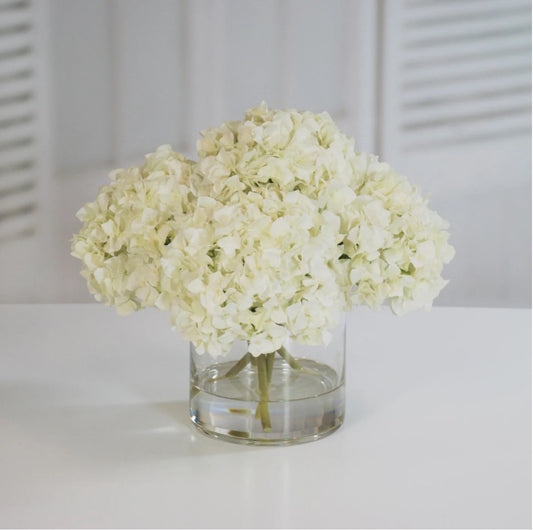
[(94, 430)]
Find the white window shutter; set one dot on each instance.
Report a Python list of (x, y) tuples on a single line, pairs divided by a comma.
[(455, 116), (24, 168)]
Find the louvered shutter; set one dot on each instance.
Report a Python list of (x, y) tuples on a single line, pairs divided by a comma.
[(455, 116), (464, 71), (23, 168)]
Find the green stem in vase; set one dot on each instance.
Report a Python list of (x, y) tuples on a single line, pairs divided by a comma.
[(270, 358), (293, 363), (237, 367), (257, 415), (264, 365), (264, 383)]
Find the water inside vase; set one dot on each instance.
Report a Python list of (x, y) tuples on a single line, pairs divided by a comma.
[(303, 404)]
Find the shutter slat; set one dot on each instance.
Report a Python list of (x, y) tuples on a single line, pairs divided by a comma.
[(467, 29), (483, 69), (444, 135), (16, 109), (468, 86), (14, 179), (501, 44), (16, 131), (14, 66), (17, 156), (15, 143), (17, 202), (14, 41), (16, 86), (446, 12), (17, 198), (6, 5), (12, 19), (18, 223), (462, 107)]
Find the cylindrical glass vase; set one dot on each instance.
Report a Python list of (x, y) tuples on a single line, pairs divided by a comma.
[(293, 395)]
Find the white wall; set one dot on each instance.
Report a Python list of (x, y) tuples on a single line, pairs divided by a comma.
[(128, 75)]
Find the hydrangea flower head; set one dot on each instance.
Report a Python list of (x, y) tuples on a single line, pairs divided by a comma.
[(277, 228)]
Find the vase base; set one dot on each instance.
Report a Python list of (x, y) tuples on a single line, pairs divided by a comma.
[(239, 438), (304, 405)]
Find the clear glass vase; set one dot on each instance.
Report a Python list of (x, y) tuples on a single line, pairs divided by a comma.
[(293, 395)]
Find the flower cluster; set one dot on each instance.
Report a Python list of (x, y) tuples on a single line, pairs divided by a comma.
[(277, 228), (127, 228)]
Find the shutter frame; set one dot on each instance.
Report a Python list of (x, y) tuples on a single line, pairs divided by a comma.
[(471, 146), (25, 169)]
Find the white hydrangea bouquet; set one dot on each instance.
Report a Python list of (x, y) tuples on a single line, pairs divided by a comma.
[(278, 228)]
